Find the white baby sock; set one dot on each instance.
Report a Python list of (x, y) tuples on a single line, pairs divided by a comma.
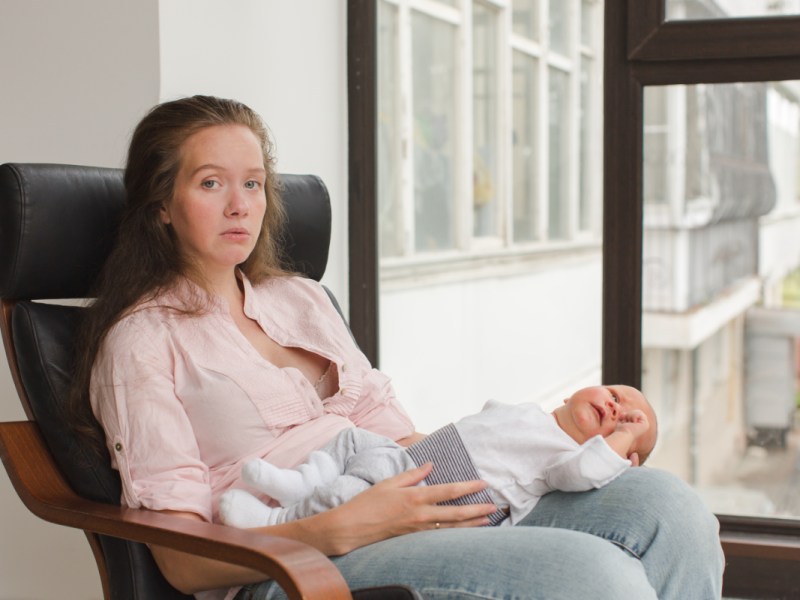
[(289, 486), (243, 510)]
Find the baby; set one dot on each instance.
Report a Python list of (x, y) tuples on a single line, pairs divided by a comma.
[(521, 451)]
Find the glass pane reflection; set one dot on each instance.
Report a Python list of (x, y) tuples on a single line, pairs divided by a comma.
[(433, 71), (724, 9), (721, 283)]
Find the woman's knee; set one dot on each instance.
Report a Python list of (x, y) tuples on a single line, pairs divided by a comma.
[(635, 509), (671, 502)]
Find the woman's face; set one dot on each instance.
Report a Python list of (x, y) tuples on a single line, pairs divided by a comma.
[(218, 204)]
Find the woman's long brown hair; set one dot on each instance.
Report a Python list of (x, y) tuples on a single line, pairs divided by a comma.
[(146, 258)]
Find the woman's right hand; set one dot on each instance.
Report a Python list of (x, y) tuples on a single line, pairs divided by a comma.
[(397, 506), (390, 508)]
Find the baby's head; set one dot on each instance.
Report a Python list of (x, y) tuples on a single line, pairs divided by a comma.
[(596, 410)]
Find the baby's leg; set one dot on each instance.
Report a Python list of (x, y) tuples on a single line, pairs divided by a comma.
[(289, 486), (243, 510)]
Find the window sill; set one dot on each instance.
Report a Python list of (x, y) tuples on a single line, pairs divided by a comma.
[(761, 555), (456, 267)]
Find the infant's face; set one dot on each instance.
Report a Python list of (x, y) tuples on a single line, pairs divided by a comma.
[(596, 410)]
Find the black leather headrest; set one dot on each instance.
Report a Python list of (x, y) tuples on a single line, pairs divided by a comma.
[(57, 224)]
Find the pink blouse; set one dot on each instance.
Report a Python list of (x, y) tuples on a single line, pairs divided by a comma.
[(185, 400)]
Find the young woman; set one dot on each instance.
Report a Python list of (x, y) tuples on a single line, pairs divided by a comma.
[(203, 354)]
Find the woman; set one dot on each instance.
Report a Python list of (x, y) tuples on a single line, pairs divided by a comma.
[(203, 353)]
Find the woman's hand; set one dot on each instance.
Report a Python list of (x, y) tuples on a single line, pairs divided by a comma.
[(390, 508), (397, 506)]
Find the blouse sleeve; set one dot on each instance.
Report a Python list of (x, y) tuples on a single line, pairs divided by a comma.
[(378, 410), (148, 432)]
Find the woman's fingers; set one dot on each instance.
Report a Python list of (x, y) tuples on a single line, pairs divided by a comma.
[(411, 477), (428, 500), (433, 494)]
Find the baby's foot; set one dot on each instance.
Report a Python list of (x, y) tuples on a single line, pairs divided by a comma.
[(289, 486), (240, 509)]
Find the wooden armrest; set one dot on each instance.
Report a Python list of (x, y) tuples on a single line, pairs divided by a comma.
[(302, 571)]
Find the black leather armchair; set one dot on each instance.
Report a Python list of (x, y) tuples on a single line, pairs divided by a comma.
[(57, 224)]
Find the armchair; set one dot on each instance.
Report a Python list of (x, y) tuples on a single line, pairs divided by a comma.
[(57, 224)]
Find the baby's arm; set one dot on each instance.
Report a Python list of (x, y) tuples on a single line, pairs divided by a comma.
[(630, 427)]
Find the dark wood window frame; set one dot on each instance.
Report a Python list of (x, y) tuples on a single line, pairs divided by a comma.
[(641, 49)]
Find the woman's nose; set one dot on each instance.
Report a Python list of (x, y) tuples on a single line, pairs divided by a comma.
[(237, 205)]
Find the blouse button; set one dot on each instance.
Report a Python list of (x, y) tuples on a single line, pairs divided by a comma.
[(118, 447), (344, 368)]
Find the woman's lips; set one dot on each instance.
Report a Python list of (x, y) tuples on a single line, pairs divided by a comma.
[(236, 233)]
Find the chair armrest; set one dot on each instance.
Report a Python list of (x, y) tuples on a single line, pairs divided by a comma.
[(302, 571)]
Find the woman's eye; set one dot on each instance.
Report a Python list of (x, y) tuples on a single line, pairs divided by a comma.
[(209, 184), (252, 184)]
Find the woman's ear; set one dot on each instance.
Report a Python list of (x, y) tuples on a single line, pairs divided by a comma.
[(165, 215)]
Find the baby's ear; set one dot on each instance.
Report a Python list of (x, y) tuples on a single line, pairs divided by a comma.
[(566, 400)]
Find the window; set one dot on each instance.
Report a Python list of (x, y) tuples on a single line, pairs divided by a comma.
[(657, 81), (488, 135), (489, 120), (699, 128)]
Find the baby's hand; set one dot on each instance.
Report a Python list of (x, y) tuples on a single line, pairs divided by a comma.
[(635, 422)]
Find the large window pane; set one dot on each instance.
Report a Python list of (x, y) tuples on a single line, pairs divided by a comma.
[(524, 148), (390, 213), (722, 9), (656, 167), (434, 110), (588, 21), (525, 18), (557, 13), (720, 336), (485, 290), (558, 156), (485, 121), (585, 188)]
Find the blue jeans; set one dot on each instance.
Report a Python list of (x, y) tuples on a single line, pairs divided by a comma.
[(646, 535)]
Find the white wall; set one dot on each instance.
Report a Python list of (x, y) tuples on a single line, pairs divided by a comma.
[(534, 337), (76, 78), (287, 60)]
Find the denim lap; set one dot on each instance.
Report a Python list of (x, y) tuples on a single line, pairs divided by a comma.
[(662, 540)]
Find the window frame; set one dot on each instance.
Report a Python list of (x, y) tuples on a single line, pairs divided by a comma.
[(642, 48)]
